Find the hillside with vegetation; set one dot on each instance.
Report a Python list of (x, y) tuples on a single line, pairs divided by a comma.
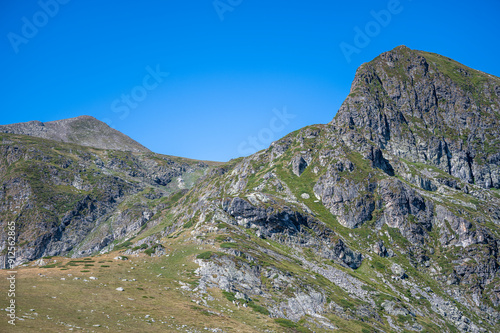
[(386, 219)]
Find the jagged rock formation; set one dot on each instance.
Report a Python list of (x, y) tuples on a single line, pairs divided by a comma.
[(83, 130), (426, 108), (385, 219)]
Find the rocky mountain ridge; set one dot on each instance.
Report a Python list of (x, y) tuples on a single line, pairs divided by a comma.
[(82, 130), (74, 200), (385, 219), (394, 187)]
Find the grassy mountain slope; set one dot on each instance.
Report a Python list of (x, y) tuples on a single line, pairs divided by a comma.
[(384, 220)]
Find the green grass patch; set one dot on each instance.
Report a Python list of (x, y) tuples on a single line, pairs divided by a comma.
[(379, 266), (205, 255), (258, 308), (346, 304), (142, 247), (229, 245), (125, 245), (188, 224), (368, 288), (229, 295), (294, 327)]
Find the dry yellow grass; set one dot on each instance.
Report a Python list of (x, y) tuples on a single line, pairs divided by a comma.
[(49, 304)]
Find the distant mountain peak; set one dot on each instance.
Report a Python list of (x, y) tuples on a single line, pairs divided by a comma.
[(83, 130)]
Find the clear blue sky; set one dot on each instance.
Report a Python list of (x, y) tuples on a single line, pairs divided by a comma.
[(229, 67)]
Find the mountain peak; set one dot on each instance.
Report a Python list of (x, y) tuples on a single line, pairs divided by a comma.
[(85, 117), (398, 49), (427, 108), (83, 130)]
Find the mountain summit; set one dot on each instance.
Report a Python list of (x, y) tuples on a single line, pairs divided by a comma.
[(82, 130), (427, 108)]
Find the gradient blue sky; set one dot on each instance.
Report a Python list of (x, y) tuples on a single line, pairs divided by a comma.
[(225, 76)]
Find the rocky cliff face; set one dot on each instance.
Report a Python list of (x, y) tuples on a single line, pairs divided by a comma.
[(72, 200), (426, 108), (385, 219), (83, 130)]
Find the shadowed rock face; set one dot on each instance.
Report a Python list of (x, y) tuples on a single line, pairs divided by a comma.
[(292, 225), (83, 130), (299, 165)]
